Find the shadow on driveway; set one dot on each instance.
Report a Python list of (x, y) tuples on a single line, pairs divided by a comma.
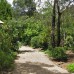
[(31, 68)]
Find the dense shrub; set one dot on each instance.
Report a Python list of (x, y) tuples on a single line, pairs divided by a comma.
[(69, 41), (6, 54), (39, 41), (24, 30), (5, 41), (35, 42), (70, 67), (6, 60), (29, 33), (58, 53), (33, 29)]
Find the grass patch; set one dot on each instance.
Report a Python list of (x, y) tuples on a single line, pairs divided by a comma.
[(70, 67)]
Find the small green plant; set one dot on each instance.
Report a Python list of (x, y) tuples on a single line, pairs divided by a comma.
[(58, 53), (48, 52), (70, 67)]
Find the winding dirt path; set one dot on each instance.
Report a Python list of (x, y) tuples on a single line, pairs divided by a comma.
[(32, 61)]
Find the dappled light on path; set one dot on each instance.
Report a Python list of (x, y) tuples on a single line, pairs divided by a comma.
[(30, 68), (32, 61)]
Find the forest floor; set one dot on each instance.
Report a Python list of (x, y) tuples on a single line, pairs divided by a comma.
[(33, 61)]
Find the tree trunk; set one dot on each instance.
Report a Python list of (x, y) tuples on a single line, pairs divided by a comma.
[(53, 25), (58, 26)]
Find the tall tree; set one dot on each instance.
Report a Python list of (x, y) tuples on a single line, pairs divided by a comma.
[(24, 7), (58, 24), (5, 10), (58, 7), (61, 6), (53, 25)]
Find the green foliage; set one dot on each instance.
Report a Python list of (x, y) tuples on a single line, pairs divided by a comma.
[(13, 34), (6, 60), (5, 41), (35, 42), (39, 41), (69, 41), (48, 52), (24, 30), (67, 27), (29, 32), (6, 45), (5, 10), (70, 67), (58, 53), (24, 7), (34, 30)]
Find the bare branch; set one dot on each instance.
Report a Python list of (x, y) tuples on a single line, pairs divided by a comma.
[(66, 5)]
